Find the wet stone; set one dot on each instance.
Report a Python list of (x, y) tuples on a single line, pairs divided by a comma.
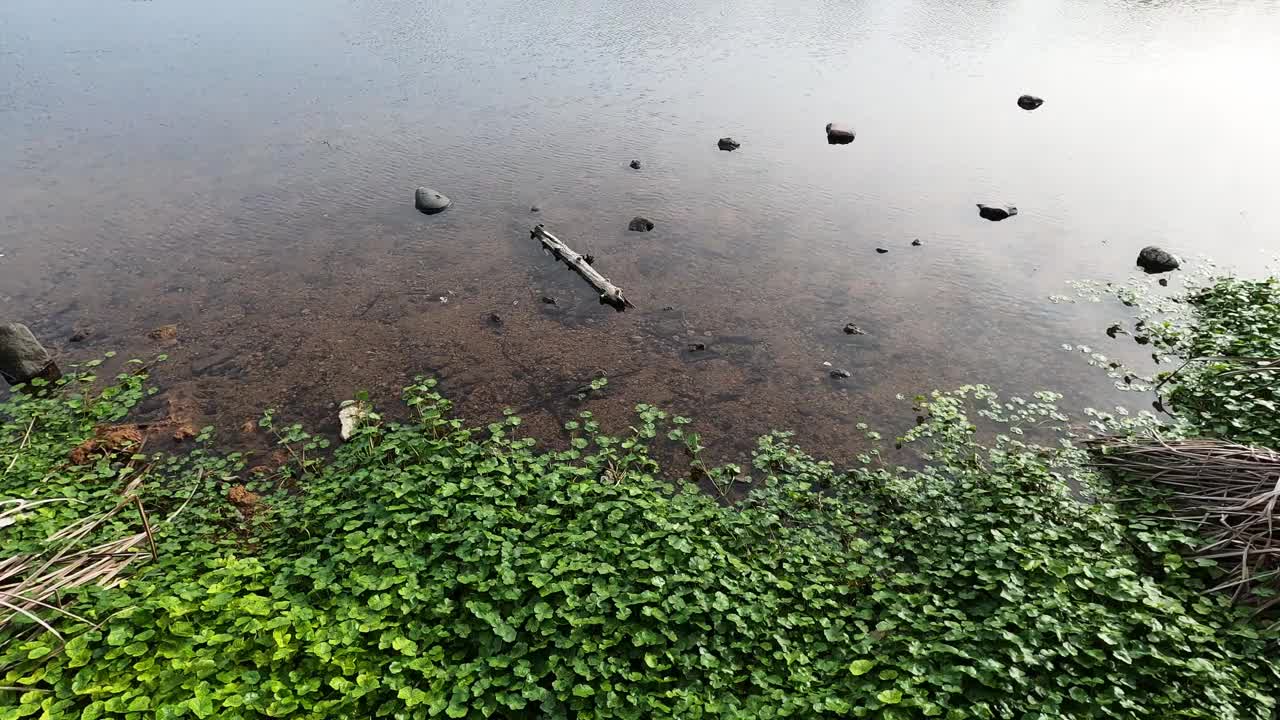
[(996, 214), (430, 201)]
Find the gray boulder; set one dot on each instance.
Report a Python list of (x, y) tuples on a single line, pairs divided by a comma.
[(639, 224), (996, 214), (728, 143), (839, 134), (429, 201), (22, 357), (1029, 102), (1154, 260)]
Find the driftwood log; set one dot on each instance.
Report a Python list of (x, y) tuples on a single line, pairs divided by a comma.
[(610, 294)]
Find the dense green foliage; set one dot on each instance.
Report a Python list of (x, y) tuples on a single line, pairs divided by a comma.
[(430, 569), (1232, 325)]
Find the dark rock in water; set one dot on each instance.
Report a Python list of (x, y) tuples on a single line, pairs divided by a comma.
[(1111, 331), (1029, 102), (1142, 339), (839, 374), (548, 300), (852, 329), (535, 208), (635, 164), (995, 214), (429, 201), (589, 259), (639, 224), (839, 134), (916, 243), (79, 335), (1153, 260), (881, 250), (728, 143), (697, 347), (23, 358), (1164, 282), (495, 318)]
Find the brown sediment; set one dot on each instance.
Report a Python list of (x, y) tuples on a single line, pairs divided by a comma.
[(107, 439), (246, 502)]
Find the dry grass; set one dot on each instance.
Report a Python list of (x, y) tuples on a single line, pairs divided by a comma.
[(31, 584), (1228, 492)]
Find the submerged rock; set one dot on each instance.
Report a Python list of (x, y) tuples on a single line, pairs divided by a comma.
[(839, 374), (635, 164), (548, 300), (882, 250), (23, 358), (916, 243), (164, 333), (1029, 102), (852, 329), (1154, 260), (639, 224), (728, 143), (839, 134), (996, 214), (429, 201)]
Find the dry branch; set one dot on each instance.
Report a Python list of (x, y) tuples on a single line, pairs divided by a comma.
[(610, 294)]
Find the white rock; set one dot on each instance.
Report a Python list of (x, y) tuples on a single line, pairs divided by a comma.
[(349, 418)]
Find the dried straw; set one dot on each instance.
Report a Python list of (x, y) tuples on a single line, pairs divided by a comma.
[(31, 584), (1228, 492)]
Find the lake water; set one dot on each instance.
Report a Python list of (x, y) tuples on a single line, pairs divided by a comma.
[(245, 169)]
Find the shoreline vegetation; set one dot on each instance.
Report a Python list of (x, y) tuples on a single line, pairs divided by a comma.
[(430, 568)]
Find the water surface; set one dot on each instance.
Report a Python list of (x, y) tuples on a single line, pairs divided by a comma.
[(246, 169)]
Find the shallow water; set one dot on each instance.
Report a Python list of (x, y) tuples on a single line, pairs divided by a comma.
[(246, 169)]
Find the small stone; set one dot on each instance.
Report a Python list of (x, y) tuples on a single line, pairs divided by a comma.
[(1113, 330), (639, 224), (1029, 102), (164, 333), (1164, 282), (996, 214), (916, 243), (349, 418), (79, 335), (852, 329), (697, 347), (535, 208), (429, 201), (728, 143), (495, 318), (1154, 260), (826, 364), (1141, 339), (547, 299), (881, 250), (839, 134), (839, 374), (635, 164), (23, 358)]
